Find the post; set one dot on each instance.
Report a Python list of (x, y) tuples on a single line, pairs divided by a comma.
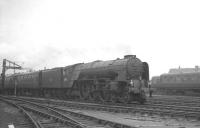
[(15, 86), (12, 65), (3, 73)]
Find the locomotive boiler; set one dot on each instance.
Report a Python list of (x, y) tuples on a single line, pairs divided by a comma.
[(120, 80)]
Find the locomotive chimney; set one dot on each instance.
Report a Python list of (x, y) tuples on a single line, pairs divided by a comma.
[(129, 56)]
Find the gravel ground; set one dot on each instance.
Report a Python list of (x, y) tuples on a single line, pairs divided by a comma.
[(11, 115)]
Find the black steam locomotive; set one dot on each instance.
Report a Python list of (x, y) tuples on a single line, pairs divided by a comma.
[(120, 80)]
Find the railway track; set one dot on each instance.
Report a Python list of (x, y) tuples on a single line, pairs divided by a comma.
[(79, 120), (175, 100), (43, 117), (98, 115), (152, 108), (32, 123)]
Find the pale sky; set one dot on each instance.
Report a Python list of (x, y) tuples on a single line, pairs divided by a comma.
[(53, 33)]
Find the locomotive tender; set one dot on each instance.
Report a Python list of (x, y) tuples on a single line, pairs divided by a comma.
[(120, 80), (178, 84)]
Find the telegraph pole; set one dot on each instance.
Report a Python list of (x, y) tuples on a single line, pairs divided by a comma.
[(3, 72), (7, 64), (15, 82)]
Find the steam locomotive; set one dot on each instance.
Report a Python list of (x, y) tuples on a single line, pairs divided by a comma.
[(120, 80), (177, 84)]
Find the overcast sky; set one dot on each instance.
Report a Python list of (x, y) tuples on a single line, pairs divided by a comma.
[(52, 33)]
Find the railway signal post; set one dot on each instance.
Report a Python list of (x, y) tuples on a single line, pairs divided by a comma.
[(7, 64)]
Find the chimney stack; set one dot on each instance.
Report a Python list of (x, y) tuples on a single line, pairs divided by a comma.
[(129, 56)]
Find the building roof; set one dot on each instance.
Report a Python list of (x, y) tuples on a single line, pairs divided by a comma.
[(184, 70)]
